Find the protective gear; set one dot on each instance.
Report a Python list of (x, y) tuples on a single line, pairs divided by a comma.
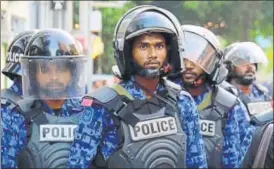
[(262, 143), (245, 53), (141, 20), (15, 50), (142, 146), (240, 54), (229, 48), (49, 137), (260, 109), (203, 49), (46, 49), (213, 114)]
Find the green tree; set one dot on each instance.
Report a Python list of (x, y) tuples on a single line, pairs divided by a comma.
[(110, 18)]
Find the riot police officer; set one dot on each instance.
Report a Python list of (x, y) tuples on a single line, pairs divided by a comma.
[(12, 68), (53, 81), (242, 60), (142, 122), (13, 94), (224, 123)]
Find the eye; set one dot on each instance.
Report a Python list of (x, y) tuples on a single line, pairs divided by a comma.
[(44, 68), (160, 46), (143, 46), (61, 68)]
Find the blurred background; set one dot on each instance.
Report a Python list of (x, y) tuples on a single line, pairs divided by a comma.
[(92, 23)]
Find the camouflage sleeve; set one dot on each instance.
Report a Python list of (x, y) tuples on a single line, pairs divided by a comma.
[(88, 138), (245, 128), (195, 155), (110, 136), (13, 137), (231, 145), (237, 136)]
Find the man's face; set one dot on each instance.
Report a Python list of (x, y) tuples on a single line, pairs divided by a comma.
[(53, 79), (246, 73), (191, 72), (150, 50)]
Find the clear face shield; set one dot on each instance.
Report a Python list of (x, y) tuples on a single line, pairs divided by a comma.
[(53, 79), (199, 51), (246, 53)]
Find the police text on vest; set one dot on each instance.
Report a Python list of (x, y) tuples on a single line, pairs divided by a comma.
[(259, 107), (153, 128), (207, 127), (57, 132)]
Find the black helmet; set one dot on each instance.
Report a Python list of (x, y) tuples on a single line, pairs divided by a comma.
[(53, 47), (15, 50), (203, 48), (140, 20), (243, 53)]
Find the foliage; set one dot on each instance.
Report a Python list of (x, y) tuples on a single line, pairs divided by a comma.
[(241, 20), (110, 18)]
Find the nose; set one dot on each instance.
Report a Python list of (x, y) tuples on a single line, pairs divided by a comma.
[(152, 53), (53, 75), (188, 64)]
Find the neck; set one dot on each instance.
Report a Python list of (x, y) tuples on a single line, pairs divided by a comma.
[(244, 88), (149, 84), (196, 91), (55, 104)]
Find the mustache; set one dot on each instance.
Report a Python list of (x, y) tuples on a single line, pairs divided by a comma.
[(152, 62), (51, 84), (189, 72), (250, 71)]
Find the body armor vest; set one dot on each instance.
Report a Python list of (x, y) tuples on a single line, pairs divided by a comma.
[(150, 131), (213, 115), (49, 140), (260, 109), (49, 137)]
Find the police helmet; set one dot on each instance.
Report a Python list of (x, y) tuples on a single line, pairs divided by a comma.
[(50, 47), (203, 48), (243, 53), (16, 49), (146, 19)]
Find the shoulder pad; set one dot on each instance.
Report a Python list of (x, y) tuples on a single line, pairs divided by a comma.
[(10, 98), (224, 97), (229, 87), (172, 85), (25, 105), (261, 88), (9, 94), (261, 119), (103, 95)]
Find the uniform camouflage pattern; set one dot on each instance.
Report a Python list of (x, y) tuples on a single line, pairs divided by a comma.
[(96, 122), (256, 93), (237, 134), (14, 136)]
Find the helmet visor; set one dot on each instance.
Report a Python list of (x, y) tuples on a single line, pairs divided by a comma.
[(246, 53), (200, 51), (58, 78)]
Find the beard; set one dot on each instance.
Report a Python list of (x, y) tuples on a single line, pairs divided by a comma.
[(186, 83), (149, 73), (246, 79), (50, 90)]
